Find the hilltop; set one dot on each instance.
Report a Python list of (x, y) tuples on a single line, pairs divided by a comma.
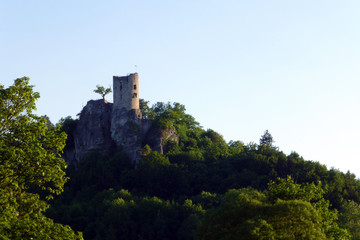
[(152, 172), (175, 191)]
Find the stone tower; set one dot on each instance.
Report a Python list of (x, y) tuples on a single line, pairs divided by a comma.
[(126, 92), (126, 118), (103, 125)]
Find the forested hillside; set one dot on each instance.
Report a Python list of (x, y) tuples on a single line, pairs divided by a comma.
[(205, 188)]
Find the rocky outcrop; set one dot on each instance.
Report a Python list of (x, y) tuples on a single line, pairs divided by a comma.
[(102, 127), (156, 138), (93, 129), (126, 131)]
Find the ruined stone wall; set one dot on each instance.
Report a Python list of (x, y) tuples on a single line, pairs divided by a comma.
[(103, 125), (101, 128), (126, 92)]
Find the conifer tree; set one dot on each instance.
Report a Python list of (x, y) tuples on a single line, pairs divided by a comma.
[(267, 139)]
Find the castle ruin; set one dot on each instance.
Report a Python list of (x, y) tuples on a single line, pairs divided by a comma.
[(126, 92), (103, 125)]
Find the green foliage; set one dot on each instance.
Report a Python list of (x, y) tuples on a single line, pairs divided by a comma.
[(286, 211), (146, 150), (202, 167), (153, 159), (173, 115), (207, 200), (167, 115), (266, 139), (29, 159), (68, 125), (102, 91), (349, 218), (146, 111), (286, 189), (119, 214), (101, 170), (236, 147)]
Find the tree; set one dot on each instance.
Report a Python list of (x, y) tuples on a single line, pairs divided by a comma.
[(266, 139), (146, 111), (29, 163), (285, 211), (349, 218), (102, 91)]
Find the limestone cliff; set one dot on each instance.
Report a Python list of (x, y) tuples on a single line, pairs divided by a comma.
[(126, 131), (101, 127), (157, 137)]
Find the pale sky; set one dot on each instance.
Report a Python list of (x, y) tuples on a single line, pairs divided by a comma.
[(240, 67)]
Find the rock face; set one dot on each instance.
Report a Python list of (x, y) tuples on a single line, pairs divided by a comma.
[(126, 131), (156, 138), (93, 129), (101, 127), (104, 125)]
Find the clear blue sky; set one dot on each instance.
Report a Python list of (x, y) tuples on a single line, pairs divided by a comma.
[(240, 67)]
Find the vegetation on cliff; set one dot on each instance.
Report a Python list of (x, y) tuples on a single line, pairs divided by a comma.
[(102, 91), (205, 188)]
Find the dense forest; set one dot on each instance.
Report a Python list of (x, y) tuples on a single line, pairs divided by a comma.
[(205, 188), (201, 187)]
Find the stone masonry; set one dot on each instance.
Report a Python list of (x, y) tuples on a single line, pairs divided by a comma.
[(103, 125)]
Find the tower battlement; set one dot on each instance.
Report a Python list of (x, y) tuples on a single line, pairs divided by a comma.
[(126, 92)]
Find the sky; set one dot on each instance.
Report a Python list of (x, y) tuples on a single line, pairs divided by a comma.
[(240, 67)]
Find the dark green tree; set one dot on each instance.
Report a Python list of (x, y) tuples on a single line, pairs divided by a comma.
[(266, 139), (286, 211), (349, 218), (147, 112), (29, 161)]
